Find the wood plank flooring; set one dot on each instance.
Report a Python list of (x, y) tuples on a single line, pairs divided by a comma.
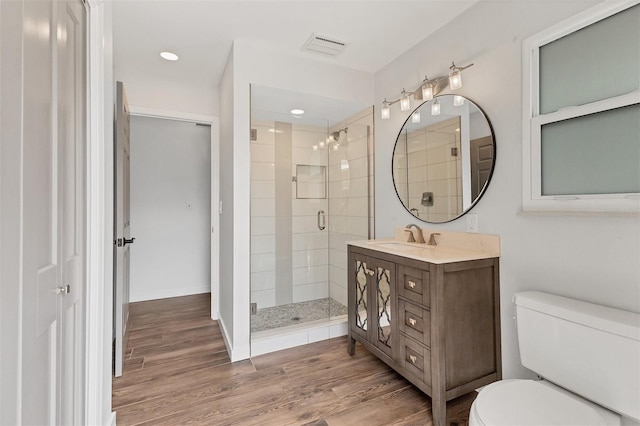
[(177, 372)]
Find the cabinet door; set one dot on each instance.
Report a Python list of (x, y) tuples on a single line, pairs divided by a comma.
[(359, 290), (385, 306)]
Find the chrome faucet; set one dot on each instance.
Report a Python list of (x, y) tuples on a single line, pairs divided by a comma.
[(411, 237), (432, 239)]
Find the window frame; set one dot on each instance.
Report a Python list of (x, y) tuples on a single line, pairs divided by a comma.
[(532, 121)]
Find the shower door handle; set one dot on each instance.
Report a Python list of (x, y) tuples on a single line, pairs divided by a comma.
[(321, 220)]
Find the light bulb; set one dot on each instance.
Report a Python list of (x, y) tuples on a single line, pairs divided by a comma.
[(405, 102), (455, 78), (321, 144), (458, 100), (415, 117), (315, 147), (336, 146), (385, 113), (427, 91), (169, 56), (435, 107)]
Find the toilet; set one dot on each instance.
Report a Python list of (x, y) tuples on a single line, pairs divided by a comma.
[(588, 357)]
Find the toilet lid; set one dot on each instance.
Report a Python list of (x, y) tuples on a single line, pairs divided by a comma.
[(528, 402)]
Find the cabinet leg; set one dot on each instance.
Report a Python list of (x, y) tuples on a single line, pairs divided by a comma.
[(351, 348), (439, 411)]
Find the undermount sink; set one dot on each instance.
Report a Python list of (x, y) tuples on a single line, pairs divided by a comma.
[(404, 246)]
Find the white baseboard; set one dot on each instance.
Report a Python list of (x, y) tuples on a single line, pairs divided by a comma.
[(164, 294), (112, 421), (225, 337)]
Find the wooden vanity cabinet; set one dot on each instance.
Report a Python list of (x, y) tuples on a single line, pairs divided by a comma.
[(438, 325)]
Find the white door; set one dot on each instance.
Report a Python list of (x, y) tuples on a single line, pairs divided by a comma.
[(122, 237), (51, 377)]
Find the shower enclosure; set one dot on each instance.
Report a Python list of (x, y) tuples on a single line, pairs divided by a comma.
[(311, 192)]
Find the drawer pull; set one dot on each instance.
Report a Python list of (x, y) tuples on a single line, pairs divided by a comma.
[(412, 284), (412, 321), (413, 359)]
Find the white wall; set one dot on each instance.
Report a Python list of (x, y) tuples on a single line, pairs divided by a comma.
[(143, 87), (170, 170), (226, 218), (256, 64), (594, 258)]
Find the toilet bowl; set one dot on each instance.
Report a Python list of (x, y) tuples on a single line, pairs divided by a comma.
[(531, 402), (588, 356)]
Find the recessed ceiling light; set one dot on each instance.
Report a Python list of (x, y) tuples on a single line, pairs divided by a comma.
[(297, 111), (169, 56)]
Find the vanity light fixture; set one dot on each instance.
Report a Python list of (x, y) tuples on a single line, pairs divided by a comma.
[(455, 77), (435, 107), (415, 117), (458, 100), (405, 102), (385, 110), (427, 90), (169, 56)]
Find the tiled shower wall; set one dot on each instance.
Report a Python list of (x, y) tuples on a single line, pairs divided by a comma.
[(350, 196), (289, 259), (292, 260)]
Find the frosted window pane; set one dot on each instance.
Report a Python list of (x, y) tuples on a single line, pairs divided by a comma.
[(593, 154), (592, 64)]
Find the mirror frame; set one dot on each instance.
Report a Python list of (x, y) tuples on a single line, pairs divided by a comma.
[(493, 164)]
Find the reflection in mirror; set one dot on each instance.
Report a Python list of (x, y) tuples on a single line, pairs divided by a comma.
[(443, 161)]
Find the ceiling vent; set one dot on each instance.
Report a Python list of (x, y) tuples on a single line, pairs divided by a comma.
[(324, 45)]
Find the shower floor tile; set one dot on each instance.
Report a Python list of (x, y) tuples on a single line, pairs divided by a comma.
[(296, 313)]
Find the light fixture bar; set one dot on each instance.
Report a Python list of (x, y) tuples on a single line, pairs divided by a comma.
[(426, 90)]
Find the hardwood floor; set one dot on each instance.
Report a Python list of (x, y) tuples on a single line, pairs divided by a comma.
[(177, 372)]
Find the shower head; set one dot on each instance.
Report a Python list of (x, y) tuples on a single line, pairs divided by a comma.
[(336, 135)]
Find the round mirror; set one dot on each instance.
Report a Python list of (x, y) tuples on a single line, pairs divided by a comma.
[(443, 159)]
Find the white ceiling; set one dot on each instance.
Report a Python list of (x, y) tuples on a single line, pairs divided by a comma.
[(201, 32)]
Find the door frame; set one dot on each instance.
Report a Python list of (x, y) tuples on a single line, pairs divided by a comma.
[(215, 185), (99, 297)]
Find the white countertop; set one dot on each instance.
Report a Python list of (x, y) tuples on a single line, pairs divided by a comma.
[(452, 247)]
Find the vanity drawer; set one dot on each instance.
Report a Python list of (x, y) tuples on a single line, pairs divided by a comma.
[(415, 359), (413, 284), (415, 321)]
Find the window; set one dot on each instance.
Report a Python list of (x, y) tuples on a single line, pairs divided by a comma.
[(581, 113)]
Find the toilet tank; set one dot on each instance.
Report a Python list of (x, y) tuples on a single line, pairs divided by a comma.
[(589, 349)]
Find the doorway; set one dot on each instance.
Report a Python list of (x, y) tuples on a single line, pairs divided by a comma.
[(170, 217)]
